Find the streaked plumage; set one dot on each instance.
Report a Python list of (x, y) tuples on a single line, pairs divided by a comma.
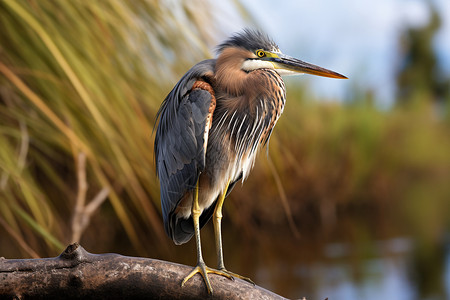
[(211, 126), (245, 108)]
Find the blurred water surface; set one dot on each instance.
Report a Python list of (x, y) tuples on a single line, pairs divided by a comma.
[(367, 188), (373, 269)]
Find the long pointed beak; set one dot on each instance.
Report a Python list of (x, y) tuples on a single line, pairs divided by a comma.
[(287, 65)]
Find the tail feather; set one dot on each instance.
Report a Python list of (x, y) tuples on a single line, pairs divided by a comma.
[(181, 230)]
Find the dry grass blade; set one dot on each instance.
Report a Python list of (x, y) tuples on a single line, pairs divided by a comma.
[(283, 198), (19, 239), (88, 77)]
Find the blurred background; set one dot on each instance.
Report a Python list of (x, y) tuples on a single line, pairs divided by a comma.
[(352, 200)]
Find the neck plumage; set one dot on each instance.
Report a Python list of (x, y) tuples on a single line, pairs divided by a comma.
[(248, 103), (229, 76), (239, 88)]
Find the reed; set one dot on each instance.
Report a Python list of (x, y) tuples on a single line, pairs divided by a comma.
[(85, 79)]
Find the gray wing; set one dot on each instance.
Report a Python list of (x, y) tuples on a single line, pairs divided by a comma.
[(179, 140)]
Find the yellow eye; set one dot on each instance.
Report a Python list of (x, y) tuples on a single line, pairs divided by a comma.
[(260, 53)]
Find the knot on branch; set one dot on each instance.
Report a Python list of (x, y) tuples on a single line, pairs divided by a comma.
[(75, 253)]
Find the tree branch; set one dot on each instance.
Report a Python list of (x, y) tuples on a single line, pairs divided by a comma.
[(82, 212), (77, 274)]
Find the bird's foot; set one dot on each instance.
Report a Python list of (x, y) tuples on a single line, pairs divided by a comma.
[(204, 271), (236, 275)]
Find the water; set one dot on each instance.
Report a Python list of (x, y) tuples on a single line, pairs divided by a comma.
[(383, 277), (342, 272), (361, 256), (394, 268)]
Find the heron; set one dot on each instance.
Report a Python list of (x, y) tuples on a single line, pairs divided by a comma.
[(210, 128)]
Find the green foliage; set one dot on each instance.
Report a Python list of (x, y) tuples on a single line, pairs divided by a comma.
[(336, 158), (420, 71), (87, 76)]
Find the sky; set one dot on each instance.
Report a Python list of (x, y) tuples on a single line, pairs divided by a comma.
[(359, 39)]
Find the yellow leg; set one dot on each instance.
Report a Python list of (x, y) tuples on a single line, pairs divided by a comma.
[(218, 234), (217, 220), (201, 266)]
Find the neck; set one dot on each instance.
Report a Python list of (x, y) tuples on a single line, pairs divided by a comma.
[(229, 75)]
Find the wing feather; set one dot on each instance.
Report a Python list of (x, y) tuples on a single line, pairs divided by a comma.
[(180, 139)]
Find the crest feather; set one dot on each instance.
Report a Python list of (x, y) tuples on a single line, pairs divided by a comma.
[(251, 40)]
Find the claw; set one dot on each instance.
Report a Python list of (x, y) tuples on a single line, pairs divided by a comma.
[(204, 271), (223, 270)]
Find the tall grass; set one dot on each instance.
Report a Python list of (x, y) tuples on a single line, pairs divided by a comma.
[(87, 76)]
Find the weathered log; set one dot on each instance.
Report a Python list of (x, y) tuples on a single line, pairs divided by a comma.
[(77, 274)]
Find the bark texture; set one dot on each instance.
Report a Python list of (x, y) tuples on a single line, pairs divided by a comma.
[(77, 274)]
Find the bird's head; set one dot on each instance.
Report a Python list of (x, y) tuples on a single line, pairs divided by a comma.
[(262, 53)]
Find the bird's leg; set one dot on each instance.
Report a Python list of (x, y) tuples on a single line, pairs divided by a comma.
[(201, 266), (217, 220)]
